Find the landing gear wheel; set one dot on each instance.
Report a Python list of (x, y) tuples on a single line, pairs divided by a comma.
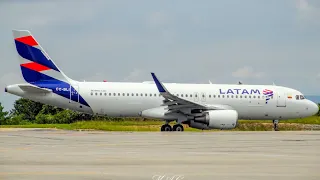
[(276, 125), (178, 127), (166, 127)]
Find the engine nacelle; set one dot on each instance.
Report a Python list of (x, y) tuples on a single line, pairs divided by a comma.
[(216, 119)]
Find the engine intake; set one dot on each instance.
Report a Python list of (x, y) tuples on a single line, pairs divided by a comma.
[(216, 119)]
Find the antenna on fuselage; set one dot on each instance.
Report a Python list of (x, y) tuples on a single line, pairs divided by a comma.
[(210, 82), (239, 82)]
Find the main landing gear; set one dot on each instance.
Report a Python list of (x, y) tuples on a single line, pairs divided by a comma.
[(276, 125), (176, 127)]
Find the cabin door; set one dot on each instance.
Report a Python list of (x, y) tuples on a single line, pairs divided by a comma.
[(281, 99)]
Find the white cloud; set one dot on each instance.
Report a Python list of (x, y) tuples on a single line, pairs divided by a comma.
[(307, 11), (158, 19), (134, 75), (247, 72), (35, 14)]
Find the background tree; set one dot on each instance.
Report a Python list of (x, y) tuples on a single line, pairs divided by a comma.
[(26, 108), (3, 114)]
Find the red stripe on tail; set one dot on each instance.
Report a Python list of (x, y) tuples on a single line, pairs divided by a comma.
[(27, 40), (35, 66)]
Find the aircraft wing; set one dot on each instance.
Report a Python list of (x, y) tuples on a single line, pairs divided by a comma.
[(176, 103), (33, 89)]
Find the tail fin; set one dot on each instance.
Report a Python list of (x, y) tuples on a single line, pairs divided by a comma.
[(36, 65)]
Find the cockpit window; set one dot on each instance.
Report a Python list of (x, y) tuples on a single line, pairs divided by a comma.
[(300, 97)]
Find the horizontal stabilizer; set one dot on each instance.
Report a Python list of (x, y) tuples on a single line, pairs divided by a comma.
[(33, 89)]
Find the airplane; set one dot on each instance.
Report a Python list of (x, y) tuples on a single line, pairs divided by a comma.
[(201, 106)]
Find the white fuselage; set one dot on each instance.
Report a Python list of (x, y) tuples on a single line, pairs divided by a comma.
[(119, 99)]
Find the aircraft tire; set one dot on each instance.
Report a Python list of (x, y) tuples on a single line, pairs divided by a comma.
[(166, 127), (178, 127)]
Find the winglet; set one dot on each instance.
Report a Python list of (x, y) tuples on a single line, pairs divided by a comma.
[(160, 86)]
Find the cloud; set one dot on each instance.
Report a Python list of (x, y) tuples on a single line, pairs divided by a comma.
[(37, 14), (158, 19), (135, 75), (308, 11), (247, 72)]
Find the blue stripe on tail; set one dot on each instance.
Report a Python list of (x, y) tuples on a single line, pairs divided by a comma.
[(58, 87), (34, 54)]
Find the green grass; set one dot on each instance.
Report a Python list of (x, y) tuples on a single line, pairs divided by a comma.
[(308, 120), (153, 125)]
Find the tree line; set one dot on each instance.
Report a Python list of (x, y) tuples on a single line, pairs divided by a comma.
[(26, 111)]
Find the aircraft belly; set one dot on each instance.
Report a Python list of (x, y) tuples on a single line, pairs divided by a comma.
[(117, 107)]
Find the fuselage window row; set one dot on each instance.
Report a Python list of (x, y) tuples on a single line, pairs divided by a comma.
[(186, 95)]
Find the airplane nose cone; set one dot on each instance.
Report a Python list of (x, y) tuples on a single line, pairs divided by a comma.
[(313, 108)]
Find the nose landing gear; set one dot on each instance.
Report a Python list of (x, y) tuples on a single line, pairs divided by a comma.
[(276, 125)]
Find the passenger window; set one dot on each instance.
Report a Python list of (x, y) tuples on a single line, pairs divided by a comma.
[(123, 94), (227, 96), (218, 96), (214, 96), (155, 95), (132, 94), (236, 96), (146, 94), (128, 94), (141, 94), (91, 94), (249, 96), (195, 95), (186, 95), (254, 96), (245, 96), (202, 95), (231, 96), (96, 94), (150, 95), (222, 96), (210, 96), (118, 94), (137, 94), (181, 95), (190, 95), (240, 96)]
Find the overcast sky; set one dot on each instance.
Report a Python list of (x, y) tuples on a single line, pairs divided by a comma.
[(255, 41)]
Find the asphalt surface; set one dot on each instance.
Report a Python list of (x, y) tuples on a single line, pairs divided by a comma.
[(59, 154)]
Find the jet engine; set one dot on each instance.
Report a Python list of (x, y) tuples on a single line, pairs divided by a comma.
[(216, 119)]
